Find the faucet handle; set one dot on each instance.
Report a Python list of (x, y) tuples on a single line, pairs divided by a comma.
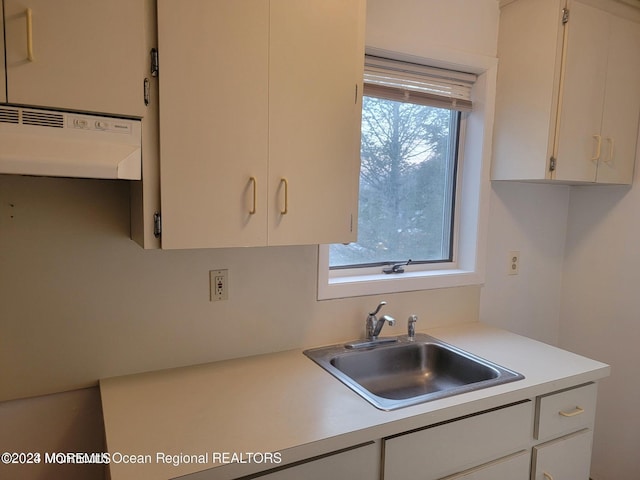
[(375, 312)]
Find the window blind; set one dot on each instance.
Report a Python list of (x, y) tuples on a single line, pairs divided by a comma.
[(413, 83)]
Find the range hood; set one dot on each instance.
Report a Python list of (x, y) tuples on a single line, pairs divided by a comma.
[(60, 144)]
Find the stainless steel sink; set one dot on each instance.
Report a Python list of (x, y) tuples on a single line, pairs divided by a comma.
[(403, 372)]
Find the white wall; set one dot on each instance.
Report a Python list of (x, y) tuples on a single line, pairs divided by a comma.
[(531, 219), (600, 315), (81, 301), (418, 27)]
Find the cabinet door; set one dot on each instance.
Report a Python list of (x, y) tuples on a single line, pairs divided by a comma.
[(316, 65), (582, 94), (362, 463), (621, 103), (3, 84), (213, 122), (530, 51), (86, 55), (567, 458)]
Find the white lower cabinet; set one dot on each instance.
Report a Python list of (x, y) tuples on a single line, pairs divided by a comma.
[(545, 438), (453, 447), (566, 458)]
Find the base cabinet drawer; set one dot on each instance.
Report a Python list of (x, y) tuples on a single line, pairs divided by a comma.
[(448, 448), (566, 411), (566, 458), (511, 467)]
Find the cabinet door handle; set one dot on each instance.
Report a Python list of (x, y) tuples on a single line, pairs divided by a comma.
[(572, 413), (596, 157), (29, 15), (254, 184), (609, 160), (283, 182), (547, 476)]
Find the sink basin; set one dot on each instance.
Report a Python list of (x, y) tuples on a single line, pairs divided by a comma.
[(403, 372)]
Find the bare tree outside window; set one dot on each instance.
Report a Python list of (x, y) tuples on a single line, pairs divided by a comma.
[(408, 163)]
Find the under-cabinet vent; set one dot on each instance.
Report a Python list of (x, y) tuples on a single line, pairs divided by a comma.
[(63, 144), (42, 119), (9, 115)]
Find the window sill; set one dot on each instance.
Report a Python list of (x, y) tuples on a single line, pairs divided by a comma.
[(361, 285)]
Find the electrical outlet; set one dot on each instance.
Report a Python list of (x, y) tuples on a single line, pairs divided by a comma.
[(218, 285), (514, 263)]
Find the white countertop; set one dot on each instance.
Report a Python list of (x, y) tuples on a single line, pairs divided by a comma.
[(284, 402)]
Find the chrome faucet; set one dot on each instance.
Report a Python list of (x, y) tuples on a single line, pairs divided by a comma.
[(374, 324)]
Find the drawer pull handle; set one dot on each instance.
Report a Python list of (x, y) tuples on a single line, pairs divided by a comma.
[(284, 183), (573, 413), (29, 15), (547, 476), (254, 183)]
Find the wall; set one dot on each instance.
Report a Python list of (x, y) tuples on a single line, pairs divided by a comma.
[(416, 27), (80, 301), (529, 218), (600, 315)]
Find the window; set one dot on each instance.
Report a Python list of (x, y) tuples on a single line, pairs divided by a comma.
[(407, 182), (423, 179)]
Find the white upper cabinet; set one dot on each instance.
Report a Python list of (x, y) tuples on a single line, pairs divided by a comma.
[(567, 104), (260, 105), (76, 55)]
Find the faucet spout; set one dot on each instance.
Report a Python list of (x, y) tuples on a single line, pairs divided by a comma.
[(380, 323)]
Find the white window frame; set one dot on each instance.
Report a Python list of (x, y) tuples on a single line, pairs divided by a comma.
[(472, 197)]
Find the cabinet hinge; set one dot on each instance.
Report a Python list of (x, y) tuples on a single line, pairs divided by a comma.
[(356, 96), (154, 62), (157, 225), (565, 16), (552, 164), (351, 224)]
